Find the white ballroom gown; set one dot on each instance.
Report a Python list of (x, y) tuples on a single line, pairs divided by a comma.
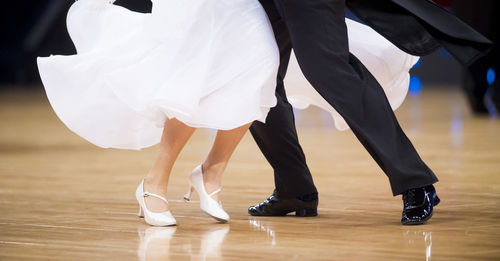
[(207, 63)]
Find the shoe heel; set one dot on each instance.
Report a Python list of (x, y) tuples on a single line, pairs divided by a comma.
[(141, 212), (436, 200), (187, 196), (306, 212)]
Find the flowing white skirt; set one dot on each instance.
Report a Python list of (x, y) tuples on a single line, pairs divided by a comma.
[(388, 64), (207, 63)]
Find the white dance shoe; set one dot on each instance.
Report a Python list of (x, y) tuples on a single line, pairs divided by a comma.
[(160, 219), (207, 203)]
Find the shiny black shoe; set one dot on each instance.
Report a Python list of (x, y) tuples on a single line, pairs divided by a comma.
[(274, 206), (418, 205)]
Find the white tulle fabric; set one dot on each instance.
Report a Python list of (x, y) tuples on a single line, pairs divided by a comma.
[(208, 63), (388, 64)]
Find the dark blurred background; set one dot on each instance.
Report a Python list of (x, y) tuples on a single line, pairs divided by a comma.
[(32, 28)]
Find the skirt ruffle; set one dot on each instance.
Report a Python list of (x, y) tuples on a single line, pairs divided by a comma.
[(207, 63)]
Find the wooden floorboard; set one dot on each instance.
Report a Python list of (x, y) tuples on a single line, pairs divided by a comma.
[(62, 198)]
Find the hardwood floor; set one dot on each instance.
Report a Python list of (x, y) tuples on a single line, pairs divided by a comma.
[(62, 198)]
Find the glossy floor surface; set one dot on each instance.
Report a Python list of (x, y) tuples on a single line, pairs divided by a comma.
[(62, 198)]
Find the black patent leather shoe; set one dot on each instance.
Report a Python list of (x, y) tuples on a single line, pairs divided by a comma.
[(274, 206), (418, 205)]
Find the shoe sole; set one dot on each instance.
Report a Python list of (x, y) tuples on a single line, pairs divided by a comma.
[(216, 218), (268, 215), (298, 213), (420, 222)]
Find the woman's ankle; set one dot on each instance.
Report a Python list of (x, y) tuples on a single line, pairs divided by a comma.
[(212, 172), (212, 176), (155, 185), (154, 204)]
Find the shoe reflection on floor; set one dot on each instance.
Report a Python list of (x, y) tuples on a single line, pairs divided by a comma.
[(160, 243), (415, 238), (258, 225), (154, 242)]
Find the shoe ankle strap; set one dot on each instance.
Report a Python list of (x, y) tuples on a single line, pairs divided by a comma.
[(145, 194), (215, 192)]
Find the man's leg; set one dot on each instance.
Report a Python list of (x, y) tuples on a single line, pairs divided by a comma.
[(277, 138), (278, 141), (319, 38)]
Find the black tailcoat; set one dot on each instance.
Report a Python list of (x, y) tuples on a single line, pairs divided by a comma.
[(419, 27)]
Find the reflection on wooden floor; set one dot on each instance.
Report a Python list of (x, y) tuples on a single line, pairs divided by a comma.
[(64, 199)]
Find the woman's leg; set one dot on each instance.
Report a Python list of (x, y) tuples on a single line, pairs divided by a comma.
[(216, 162), (175, 136)]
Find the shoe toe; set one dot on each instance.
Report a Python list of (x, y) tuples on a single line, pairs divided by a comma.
[(160, 219)]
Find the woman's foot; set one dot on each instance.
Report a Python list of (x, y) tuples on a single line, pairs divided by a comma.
[(154, 218), (211, 179), (155, 204), (207, 202)]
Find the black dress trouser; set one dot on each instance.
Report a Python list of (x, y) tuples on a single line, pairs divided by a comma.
[(317, 32)]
